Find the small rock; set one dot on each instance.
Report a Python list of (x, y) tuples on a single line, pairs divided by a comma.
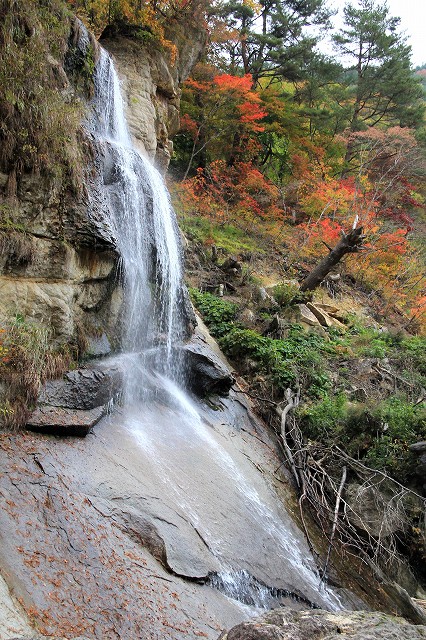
[(276, 326), (324, 318), (98, 347), (232, 266), (418, 447), (307, 316), (247, 318)]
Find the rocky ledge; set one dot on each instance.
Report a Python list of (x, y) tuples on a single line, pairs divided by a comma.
[(287, 624)]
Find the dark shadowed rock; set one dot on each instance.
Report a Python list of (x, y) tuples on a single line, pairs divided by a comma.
[(73, 404), (232, 266), (418, 447), (287, 624), (206, 372)]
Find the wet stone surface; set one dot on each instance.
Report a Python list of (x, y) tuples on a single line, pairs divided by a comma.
[(117, 535)]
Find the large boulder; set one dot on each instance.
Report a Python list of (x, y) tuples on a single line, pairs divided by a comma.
[(83, 389), (287, 624), (206, 373)]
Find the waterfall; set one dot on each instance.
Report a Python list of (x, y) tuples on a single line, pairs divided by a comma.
[(143, 223), (206, 481)]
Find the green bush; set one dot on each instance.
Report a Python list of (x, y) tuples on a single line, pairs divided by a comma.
[(286, 293), (217, 313), (297, 359), (380, 436), (325, 419), (400, 424)]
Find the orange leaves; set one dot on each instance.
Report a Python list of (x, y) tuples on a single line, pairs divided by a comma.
[(239, 194), (241, 85), (250, 114), (225, 110), (188, 124)]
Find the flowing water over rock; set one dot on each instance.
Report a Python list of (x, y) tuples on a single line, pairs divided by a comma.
[(139, 213), (237, 539)]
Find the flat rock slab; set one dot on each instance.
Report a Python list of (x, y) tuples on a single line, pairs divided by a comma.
[(64, 422), (286, 624), (307, 316)]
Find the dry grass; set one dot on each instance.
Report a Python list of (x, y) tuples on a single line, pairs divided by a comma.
[(17, 247), (27, 359)]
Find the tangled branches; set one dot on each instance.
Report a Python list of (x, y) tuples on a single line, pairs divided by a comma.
[(366, 510)]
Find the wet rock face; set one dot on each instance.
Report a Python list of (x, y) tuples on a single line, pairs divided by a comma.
[(57, 259), (206, 373), (284, 624), (61, 270)]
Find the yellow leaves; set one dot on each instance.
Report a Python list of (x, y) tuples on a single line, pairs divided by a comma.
[(253, 5)]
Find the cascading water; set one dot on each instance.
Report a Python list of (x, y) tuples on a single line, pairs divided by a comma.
[(207, 479), (143, 224)]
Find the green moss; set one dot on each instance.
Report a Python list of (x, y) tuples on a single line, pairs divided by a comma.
[(229, 238)]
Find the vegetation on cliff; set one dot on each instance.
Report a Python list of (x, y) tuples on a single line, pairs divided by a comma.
[(40, 117)]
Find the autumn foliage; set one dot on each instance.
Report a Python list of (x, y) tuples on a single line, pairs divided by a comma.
[(301, 204)]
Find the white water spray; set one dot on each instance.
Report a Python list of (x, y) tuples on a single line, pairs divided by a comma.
[(143, 223)]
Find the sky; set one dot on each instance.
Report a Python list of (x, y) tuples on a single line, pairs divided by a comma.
[(413, 23)]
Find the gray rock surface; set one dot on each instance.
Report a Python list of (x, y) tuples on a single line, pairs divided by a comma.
[(64, 422), (285, 624), (72, 405), (117, 535), (85, 388)]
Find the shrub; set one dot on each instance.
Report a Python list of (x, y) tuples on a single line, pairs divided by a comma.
[(325, 419), (286, 293), (27, 359), (217, 313)]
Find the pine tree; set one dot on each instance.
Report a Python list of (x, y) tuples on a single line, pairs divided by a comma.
[(385, 89), (272, 40)]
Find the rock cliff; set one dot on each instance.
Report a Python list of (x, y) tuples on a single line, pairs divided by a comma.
[(57, 256)]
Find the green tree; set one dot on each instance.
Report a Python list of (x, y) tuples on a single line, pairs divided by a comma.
[(385, 89), (271, 39)]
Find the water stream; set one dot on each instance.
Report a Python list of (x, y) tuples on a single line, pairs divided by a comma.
[(246, 535)]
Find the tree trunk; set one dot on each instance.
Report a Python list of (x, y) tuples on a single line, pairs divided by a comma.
[(349, 243)]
